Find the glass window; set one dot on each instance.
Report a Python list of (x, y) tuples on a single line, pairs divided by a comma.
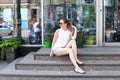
[(27, 15), (82, 14), (34, 23), (111, 21)]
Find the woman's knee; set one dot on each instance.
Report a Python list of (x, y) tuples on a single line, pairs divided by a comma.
[(70, 50)]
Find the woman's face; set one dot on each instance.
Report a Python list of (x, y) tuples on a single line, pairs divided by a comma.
[(62, 24)]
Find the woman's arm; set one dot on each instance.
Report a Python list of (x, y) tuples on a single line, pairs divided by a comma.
[(74, 33), (53, 42)]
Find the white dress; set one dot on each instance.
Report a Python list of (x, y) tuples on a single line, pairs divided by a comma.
[(62, 40)]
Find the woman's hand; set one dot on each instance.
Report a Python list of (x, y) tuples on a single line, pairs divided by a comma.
[(51, 54), (74, 34), (74, 28)]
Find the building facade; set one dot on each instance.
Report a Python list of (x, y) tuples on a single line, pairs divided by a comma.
[(98, 20)]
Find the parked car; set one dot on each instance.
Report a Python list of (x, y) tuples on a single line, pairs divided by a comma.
[(5, 30)]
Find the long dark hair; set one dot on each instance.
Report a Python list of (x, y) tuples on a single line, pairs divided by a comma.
[(69, 24)]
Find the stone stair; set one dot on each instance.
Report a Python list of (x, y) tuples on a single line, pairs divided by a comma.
[(100, 63)]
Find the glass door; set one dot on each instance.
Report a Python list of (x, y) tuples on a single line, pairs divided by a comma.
[(111, 22)]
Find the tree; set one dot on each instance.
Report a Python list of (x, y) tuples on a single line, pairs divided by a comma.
[(17, 19)]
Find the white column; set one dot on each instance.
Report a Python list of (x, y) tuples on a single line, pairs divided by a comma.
[(42, 22), (99, 23)]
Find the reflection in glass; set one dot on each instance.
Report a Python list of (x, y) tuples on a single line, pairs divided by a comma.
[(82, 15), (112, 21)]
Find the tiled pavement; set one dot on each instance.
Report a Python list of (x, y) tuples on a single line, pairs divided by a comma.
[(3, 64)]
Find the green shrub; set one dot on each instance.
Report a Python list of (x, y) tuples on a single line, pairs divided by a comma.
[(80, 40), (12, 42)]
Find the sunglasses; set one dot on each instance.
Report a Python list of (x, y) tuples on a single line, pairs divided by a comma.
[(61, 23)]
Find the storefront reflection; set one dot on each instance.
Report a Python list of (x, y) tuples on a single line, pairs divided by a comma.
[(82, 15)]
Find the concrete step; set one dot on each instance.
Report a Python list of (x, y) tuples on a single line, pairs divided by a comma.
[(80, 56), (100, 69), (56, 75), (66, 66), (83, 54), (9, 73), (28, 63)]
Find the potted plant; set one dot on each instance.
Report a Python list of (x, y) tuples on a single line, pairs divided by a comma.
[(9, 46), (0, 41), (90, 40), (47, 42)]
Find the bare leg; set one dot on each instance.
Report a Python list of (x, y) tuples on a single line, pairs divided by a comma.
[(72, 44), (65, 51)]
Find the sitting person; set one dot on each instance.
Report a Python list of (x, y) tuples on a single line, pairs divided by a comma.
[(64, 42)]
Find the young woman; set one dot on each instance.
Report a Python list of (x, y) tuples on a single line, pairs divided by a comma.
[(37, 30), (64, 42)]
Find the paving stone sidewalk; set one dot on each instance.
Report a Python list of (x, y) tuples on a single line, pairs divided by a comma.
[(3, 64)]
